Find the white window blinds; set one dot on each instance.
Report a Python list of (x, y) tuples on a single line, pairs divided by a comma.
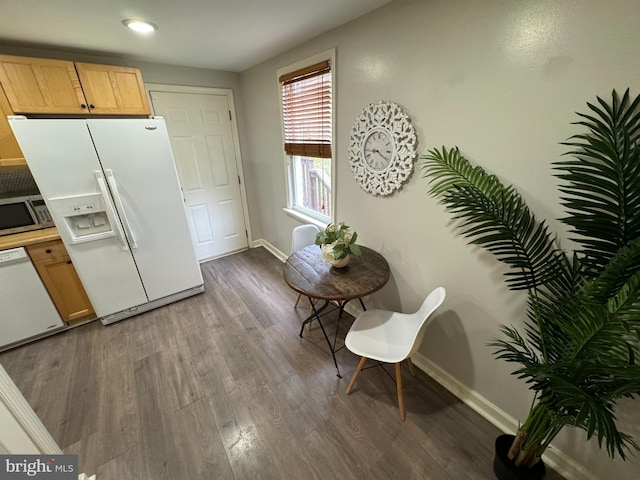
[(306, 107)]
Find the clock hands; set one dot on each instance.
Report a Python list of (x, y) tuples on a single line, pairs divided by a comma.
[(378, 150), (376, 159), (384, 157)]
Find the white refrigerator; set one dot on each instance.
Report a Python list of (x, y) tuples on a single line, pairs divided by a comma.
[(112, 189)]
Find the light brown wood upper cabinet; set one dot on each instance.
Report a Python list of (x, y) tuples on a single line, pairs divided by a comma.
[(39, 85), (113, 90), (10, 153)]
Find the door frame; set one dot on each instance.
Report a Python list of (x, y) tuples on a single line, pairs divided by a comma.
[(22, 432), (227, 92)]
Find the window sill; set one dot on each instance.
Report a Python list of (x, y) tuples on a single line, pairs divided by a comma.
[(305, 218)]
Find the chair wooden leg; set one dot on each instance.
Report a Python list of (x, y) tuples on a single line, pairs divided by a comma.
[(399, 387), (356, 373), (297, 300), (412, 370)]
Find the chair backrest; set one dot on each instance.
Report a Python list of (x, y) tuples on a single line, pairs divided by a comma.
[(303, 236), (424, 315)]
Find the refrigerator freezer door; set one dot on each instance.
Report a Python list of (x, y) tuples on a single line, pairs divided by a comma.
[(138, 163), (63, 160)]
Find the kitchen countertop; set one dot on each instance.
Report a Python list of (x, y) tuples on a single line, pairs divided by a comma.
[(28, 238)]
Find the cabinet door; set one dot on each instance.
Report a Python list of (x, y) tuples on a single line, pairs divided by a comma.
[(40, 85), (61, 280), (9, 148), (113, 90)]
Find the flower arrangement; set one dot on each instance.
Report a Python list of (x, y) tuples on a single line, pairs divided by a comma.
[(337, 241)]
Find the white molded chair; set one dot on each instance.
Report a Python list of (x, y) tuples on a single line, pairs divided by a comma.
[(303, 236), (391, 337)]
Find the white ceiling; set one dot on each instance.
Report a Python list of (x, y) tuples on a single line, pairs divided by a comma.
[(219, 34)]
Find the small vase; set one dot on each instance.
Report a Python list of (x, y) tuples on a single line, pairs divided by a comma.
[(341, 263)]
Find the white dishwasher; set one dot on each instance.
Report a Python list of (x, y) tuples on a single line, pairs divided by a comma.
[(26, 310)]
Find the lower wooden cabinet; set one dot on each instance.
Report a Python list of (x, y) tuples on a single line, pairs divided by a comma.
[(61, 280)]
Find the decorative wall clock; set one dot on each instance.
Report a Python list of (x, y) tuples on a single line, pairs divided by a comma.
[(382, 148)]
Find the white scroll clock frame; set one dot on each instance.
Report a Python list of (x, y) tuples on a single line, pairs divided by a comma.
[(382, 148)]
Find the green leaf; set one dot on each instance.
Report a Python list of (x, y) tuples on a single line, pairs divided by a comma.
[(495, 217)]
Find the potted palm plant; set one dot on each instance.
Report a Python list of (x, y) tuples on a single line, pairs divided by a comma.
[(578, 346)]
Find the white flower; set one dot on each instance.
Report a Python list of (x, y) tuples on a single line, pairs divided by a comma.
[(327, 252), (337, 241)]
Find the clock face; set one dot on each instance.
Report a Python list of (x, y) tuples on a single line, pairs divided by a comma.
[(382, 148), (378, 149)]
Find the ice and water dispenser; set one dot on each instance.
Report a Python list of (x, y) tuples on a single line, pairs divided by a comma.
[(86, 217)]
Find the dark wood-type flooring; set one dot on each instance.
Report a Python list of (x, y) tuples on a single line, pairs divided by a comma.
[(220, 386)]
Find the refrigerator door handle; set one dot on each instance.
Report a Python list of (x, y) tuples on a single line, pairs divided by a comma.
[(113, 219), (111, 180)]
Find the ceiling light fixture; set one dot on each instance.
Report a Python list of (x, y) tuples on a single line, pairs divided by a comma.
[(141, 26)]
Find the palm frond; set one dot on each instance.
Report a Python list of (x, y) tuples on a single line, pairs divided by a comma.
[(495, 217), (584, 393), (622, 265), (601, 190), (518, 349), (447, 168), (572, 327)]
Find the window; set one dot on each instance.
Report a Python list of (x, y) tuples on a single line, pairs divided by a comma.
[(307, 112)]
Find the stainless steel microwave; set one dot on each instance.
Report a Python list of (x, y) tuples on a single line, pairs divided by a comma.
[(22, 214)]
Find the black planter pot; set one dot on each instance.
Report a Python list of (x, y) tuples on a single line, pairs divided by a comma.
[(505, 469)]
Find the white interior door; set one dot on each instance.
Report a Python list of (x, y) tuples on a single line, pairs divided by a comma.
[(202, 140)]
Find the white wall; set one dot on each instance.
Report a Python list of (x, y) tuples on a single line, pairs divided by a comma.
[(500, 79)]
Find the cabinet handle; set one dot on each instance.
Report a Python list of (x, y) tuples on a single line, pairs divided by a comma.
[(68, 262), (82, 105), (48, 250), (91, 106)]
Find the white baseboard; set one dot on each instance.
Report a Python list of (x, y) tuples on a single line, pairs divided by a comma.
[(553, 457), (274, 251)]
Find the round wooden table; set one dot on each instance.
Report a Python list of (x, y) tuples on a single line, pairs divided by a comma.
[(306, 272)]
